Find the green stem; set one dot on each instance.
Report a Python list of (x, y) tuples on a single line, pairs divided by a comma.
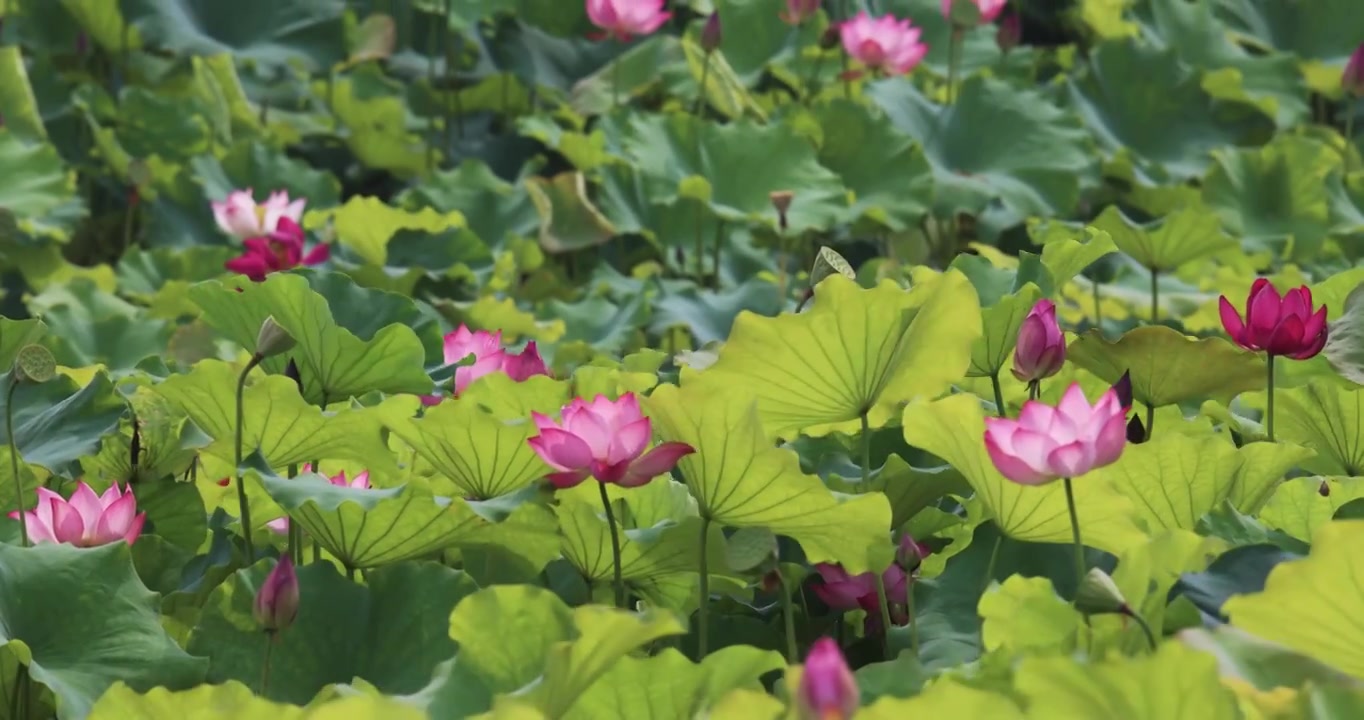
[(1094, 287), (241, 484), (715, 250), (994, 558), (866, 451), (1075, 535), (350, 573), (615, 83), (701, 90), (702, 611), (700, 242), (1269, 411), (789, 611), (1150, 419), (1155, 297), (1145, 628), (999, 395), (295, 532), (1034, 389), (953, 60), (615, 545), (884, 602), (14, 458), (913, 621), (1349, 133), (265, 663)]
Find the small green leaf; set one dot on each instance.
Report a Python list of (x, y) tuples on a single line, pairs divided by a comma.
[(1001, 323), (1025, 615)]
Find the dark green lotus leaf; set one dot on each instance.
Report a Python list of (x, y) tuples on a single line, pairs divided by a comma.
[(1148, 109), (753, 39), (91, 327), (909, 489), (81, 620), (999, 152), (600, 323), (492, 208), (264, 169), (708, 314), (979, 50), (271, 34), (57, 423), (15, 334), (1276, 197), (885, 170), (17, 103), (1322, 39), (1238, 571), (37, 192)]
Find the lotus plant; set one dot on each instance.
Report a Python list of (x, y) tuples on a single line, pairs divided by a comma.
[(1278, 326), (489, 357), (359, 482), (86, 520), (798, 11), (842, 591), (884, 44), (1041, 349), (605, 440), (989, 9), (828, 689), (1352, 82), (275, 608), (241, 217), (1063, 442), (623, 20), (280, 249)]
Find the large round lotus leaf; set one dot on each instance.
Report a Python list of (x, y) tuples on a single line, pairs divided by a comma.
[(947, 698), (708, 314), (631, 687), (885, 170), (492, 207), (1322, 39), (1168, 367), (1147, 108), (307, 32), (93, 327), (1328, 418), (233, 700), (998, 152), (56, 423), (81, 620), (390, 632), (37, 193), (1276, 197)]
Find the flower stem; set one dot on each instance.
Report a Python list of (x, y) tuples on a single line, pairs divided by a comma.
[(265, 663), (999, 395), (953, 60), (866, 451), (241, 485), (715, 250), (913, 621), (701, 90), (1145, 627), (790, 612), (1269, 411), (700, 249), (1150, 419), (994, 558), (14, 459), (615, 545), (1034, 389), (615, 83), (702, 616), (1349, 134), (1075, 534), (1155, 297), (884, 602)]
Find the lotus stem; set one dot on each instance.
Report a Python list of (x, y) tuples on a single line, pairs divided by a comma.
[(244, 506), (953, 60), (700, 244), (14, 461), (1145, 628), (883, 600), (1349, 134), (1075, 535), (619, 583), (1150, 419), (615, 82), (715, 250), (701, 90), (1269, 409), (702, 616), (265, 663), (994, 558), (999, 395), (1155, 297), (913, 621), (787, 609)]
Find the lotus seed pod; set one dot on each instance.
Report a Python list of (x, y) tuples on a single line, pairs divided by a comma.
[(34, 364)]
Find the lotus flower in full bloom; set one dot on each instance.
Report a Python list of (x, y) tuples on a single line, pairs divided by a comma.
[(489, 357), (883, 43), (1047, 443), (828, 689), (843, 591), (361, 482), (241, 217), (86, 520), (1041, 348), (625, 19), (281, 249), (1284, 326), (989, 9), (603, 439)]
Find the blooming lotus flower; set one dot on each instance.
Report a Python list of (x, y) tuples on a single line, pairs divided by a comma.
[(828, 689), (798, 11), (489, 357), (240, 216), (1041, 348), (361, 482), (86, 520), (281, 249), (627, 18), (883, 43), (603, 439), (1352, 80), (1047, 443), (276, 603), (1279, 326), (989, 9)]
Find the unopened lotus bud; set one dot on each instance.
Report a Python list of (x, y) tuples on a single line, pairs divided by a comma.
[(831, 38), (1352, 80), (910, 554), (1123, 387), (828, 690), (273, 339), (276, 603), (1324, 489), (1136, 430), (291, 372), (1009, 33), (781, 200), (34, 364), (1099, 595), (711, 34)]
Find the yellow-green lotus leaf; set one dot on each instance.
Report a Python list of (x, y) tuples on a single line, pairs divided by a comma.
[(1313, 605), (668, 686), (953, 428), (1182, 236), (1299, 508), (852, 351), (1168, 367), (235, 701), (1328, 418), (944, 699), (1025, 615), (367, 224), (1001, 322)]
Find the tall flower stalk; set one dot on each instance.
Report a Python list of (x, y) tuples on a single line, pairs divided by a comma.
[(270, 341)]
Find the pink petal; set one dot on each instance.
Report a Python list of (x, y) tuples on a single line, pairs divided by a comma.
[(1074, 406), (1111, 441), (318, 255), (543, 422), (279, 525), (116, 519), (1013, 468), (1071, 460), (67, 526), (43, 510), (609, 472), (361, 481), (562, 450), (1036, 416), (658, 461), (1231, 321), (86, 502), (630, 440), (566, 480), (135, 528)]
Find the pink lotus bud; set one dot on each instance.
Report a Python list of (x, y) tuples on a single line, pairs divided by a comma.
[(1041, 349), (828, 690), (86, 520), (798, 11), (910, 554), (1069, 440), (1277, 325), (603, 439), (711, 34), (276, 603), (1353, 78), (1009, 33)]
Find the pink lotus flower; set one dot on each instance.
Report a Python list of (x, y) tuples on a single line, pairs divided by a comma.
[(798, 11), (842, 591), (603, 439), (1352, 80), (276, 603), (828, 689), (361, 482), (1046, 443), (883, 43), (489, 357), (989, 9), (1041, 349), (241, 217), (87, 520), (1009, 33), (624, 19), (1279, 326), (281, 250)]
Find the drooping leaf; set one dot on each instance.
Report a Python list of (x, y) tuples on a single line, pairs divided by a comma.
[(1001, 322), (56, 423), (1167, 367)]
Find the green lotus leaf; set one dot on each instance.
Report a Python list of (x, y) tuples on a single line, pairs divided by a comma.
[(1001, 323), (995, 142), (232, 699), (161, 278), (267, 33), (953, 429), (253, 164), (1322, 40), (350, 340), (568, 219), (278, 423), (909, 489), (1025, 615), (599, 323), (1148, 108), (1174, 682), (1328, 418), (80, 620), (493, 208), (1275, 197), (16, 97), (387, 631), (15, 334), (740, 480), (709, 315), (1264, 664), (1067, 252), (852, 351), (93, 327), (1239, 571), (1175, 479), (724, 91), (57, 423), (1308, 605), (517, 547), (370, 528), (367, 224), (752, 40), (1299, 508), (633, 686), (1145, 575), (1182, 237), (945, 698), (373, 110), (37, 194), (884, 169), (1169, 368)]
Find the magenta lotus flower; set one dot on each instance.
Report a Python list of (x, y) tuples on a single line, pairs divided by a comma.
[(361, 482), (489, 357), (603, 439), (241, 217), (1009, 33), (1041, 349), (282, 249), (625, 19), (86, 520), (1352, 80), (989, 9), (883, 43), (1047, 443), (276, 603), (1277, 325), (828, 689), (798, 11)]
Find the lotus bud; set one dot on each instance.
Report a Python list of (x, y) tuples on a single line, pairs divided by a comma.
[(1136, 430), (1009, 33), (291, 372), (1099, 595), (831, 38), (711, 34), (273, 339), (35, 364), (909, 554), (828, 690), (1123, 387), (1353, 78), (276, 603), (781, 200), (1324, 489)]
